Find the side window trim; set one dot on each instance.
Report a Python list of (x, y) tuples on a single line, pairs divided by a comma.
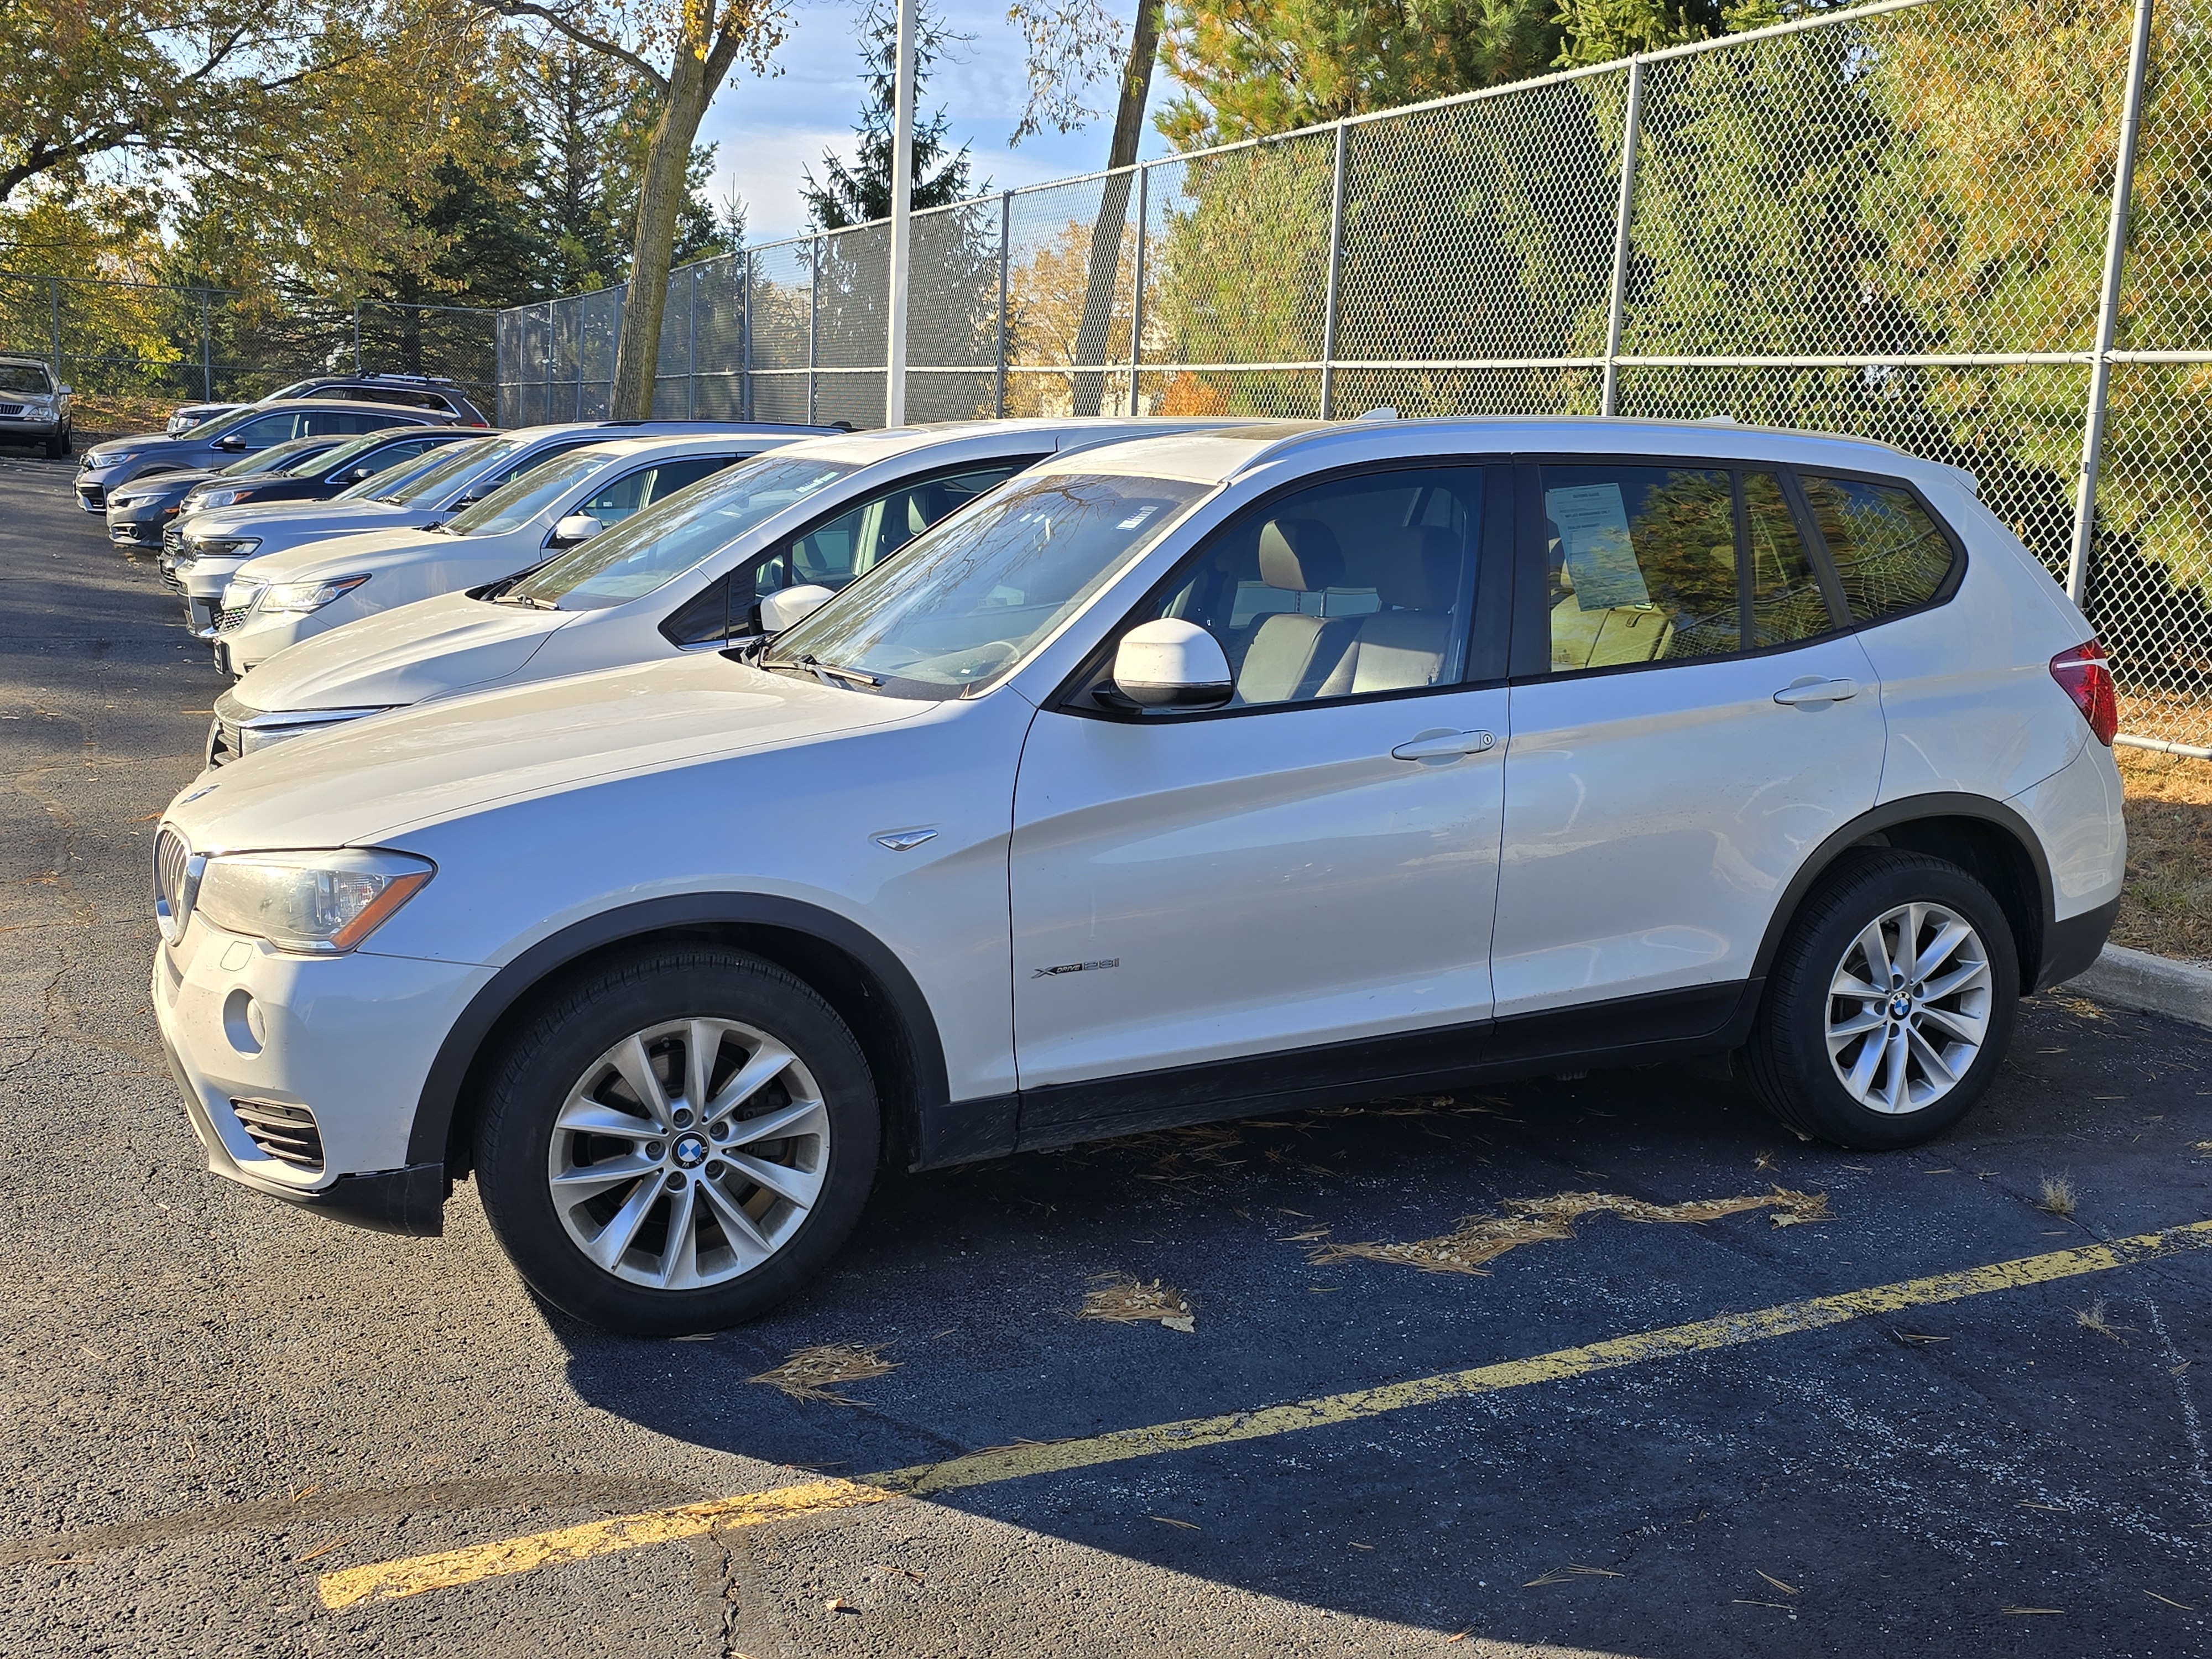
[(1484, 644), (1816, 549)]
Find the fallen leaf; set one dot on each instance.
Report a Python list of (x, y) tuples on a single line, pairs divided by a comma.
[(838, 1604), (1184, 1323), (1459, 1636)]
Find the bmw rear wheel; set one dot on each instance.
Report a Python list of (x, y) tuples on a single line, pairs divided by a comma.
[(1890, 1006), (678, 1141)]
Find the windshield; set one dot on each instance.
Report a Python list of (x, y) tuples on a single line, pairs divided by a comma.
[(279, 458), (464, 460), (648, 550), (335, 458), (24, 378), (516, 504), (969, 598)]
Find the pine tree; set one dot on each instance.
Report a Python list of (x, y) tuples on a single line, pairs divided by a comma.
[(855, 193)]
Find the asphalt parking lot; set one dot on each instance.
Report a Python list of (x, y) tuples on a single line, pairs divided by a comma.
[(235, 1428)]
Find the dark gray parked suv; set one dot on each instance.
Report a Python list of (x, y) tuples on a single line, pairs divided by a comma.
[(218, 442)]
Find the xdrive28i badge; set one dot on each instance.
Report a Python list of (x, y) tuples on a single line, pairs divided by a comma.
[(1076, 967)]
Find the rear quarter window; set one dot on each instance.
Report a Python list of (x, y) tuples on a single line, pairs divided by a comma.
[(1889, 553)]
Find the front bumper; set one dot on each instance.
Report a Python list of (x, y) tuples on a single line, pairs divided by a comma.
[(348, 1039), (141, 528), (23, 430), (261, 637), (91, 493)]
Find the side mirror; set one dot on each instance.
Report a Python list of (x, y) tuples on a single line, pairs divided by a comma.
[(63, 389), (230, 441), (1172, 664), (576, 527), (787, 606), (355, 474)]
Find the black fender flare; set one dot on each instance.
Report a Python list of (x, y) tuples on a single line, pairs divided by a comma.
[(427, 1140), (1887, 815)]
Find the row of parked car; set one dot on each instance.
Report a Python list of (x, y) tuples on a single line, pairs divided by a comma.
[(670, 826)]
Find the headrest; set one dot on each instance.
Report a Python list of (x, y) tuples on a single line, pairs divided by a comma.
[(925, 506), (1299, 556), (1418, 570)]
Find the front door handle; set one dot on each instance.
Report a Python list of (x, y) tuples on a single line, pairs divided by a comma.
[(1816, 690), (1445, 745)]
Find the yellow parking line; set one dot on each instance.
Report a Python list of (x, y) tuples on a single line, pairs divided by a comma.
[(386, 1580)]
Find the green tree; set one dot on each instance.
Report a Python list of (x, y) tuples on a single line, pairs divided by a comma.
[(855, 193)]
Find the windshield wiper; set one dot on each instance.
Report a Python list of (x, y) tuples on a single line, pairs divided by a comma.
[(828, 671), (530, 599)]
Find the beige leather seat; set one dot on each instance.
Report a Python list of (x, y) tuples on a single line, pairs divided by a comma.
[(1404, 644), (1292, 654)]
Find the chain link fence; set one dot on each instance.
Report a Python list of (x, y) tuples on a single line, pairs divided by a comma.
[(1903, 221), (134, 341)]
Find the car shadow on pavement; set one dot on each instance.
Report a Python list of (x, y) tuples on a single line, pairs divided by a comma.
[(1877, 1467)]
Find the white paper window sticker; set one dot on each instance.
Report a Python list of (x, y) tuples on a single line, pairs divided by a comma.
[(1594, 546)]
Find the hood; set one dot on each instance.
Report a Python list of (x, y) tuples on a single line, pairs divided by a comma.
[(401, 656), (364, 781), (230, 521), (112, 447), (356, 551), (162, 482)]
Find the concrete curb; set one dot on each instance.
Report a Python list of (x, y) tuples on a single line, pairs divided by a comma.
[(2135, 979)]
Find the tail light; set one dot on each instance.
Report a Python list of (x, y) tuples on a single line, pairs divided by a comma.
[(2082, 674)]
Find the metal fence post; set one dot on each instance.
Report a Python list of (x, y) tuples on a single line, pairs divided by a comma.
[(357, 337), (207, 354), (546, 413), (1631, 126), (2108, 305), (54, 301), (1005, 250), (745, 337), (1137, 296), (691, 349), (814, 326), (1335, 267)]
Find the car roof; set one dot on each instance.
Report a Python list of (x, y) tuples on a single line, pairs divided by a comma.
[(25, 362), (672, 443), (1216, 456), (323, 404), (887, 443)]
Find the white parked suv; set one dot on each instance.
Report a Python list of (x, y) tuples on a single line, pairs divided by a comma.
[(1174, 779), (278, 600), (686, 574)]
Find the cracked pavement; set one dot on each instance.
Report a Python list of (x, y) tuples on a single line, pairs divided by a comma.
[(212, 1399)]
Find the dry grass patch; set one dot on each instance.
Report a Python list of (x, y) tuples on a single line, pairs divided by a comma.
[(1480, 1239), (814, 1373), (2057, 1198), (1126, 1300), (2166, 907), (2093, 1318)]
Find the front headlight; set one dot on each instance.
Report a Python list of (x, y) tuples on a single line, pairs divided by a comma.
[(320, 902), (302, 597), (221, 547), (199, 503), (101, 463)]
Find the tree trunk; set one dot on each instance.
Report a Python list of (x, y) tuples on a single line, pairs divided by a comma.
[(1105, 268), (660, 198)]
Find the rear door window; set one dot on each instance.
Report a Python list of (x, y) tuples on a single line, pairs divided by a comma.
[(1647, 564), (1889, 554), (265, 431), (861, 537)]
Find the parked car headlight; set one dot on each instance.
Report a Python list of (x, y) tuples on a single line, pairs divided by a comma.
[(199, 502), (99, 463), (302, 597), (322, 902), (219, 547)]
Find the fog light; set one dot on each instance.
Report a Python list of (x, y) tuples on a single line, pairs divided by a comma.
[(243, 1022)]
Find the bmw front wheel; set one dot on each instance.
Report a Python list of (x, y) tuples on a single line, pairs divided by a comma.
[(677, 1142)]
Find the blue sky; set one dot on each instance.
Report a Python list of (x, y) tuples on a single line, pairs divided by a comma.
[(767, 128)]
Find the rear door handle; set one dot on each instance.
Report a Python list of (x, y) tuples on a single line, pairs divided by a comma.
[(1445, 745), (1816, 691)]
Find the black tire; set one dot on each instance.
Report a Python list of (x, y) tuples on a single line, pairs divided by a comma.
[(61, 444), (576, 1024), (1790, 1064)]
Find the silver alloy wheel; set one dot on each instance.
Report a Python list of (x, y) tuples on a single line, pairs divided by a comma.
[(1909, 1008), (689, 1153)]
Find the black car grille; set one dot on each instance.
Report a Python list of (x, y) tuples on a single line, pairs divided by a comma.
[(11, 408), (231, 616), (287, 1133), (222, 741), (172, 539), (171, 579), (92, 494)]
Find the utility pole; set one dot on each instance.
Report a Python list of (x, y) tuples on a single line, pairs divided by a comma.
[(902, 214)]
